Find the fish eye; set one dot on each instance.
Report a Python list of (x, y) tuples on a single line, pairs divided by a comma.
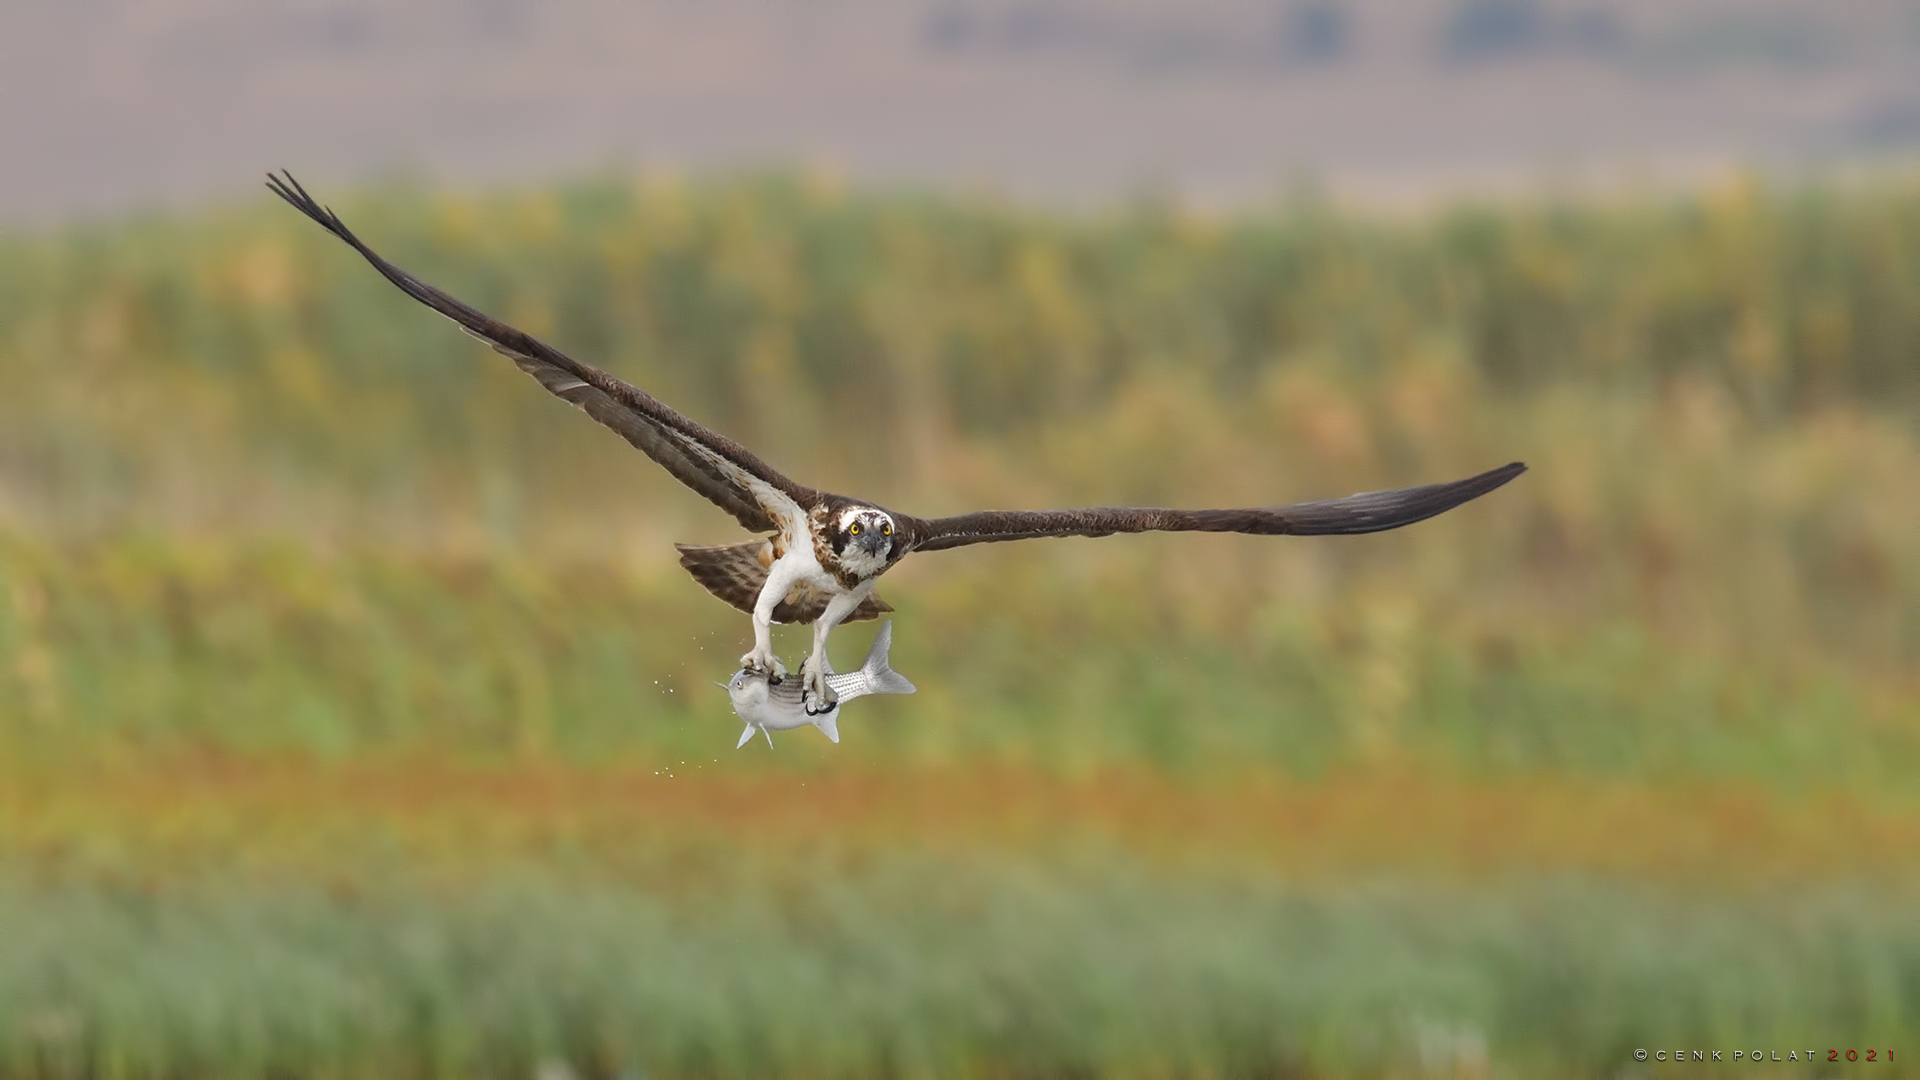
[(855, 531)]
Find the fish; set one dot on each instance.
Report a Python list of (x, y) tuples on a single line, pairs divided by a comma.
[(769, 706)]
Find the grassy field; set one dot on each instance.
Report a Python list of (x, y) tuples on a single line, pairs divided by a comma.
[(355, 719)]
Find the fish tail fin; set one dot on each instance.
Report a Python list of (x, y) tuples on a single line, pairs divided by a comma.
[(828, 725), (745, 737), (880, 678)]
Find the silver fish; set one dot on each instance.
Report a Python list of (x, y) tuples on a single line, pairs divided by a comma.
[(768, 707)]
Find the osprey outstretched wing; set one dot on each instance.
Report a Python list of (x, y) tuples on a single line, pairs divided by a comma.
[(826, 551), (1370, 511), (728, 474)]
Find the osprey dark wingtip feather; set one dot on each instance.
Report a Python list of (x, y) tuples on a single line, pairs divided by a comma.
[(826, 551)]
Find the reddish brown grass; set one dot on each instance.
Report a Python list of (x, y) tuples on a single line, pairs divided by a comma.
[(289, 815)]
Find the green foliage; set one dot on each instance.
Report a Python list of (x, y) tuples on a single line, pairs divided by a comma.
[(268, 648)]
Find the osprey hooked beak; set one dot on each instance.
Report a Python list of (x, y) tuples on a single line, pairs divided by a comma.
[(871, 541)]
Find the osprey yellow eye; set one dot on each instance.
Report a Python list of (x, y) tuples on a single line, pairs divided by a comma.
[(886, 530), (855, 531)]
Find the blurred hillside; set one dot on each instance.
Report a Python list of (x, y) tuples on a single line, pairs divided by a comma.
[(356, 717), (111, 104)]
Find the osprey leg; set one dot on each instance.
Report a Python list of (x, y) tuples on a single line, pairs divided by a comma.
[(817, 667), (780, 579)]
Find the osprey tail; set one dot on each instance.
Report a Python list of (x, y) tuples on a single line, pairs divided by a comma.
[(735, 573)]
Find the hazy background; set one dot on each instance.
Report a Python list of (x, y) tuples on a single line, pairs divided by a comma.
[(111, 103), (356, 720)]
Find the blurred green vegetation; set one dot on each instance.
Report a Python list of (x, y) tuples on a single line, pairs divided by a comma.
[(824, 974), (259, 510)]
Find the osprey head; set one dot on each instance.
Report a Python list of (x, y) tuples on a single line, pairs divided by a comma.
[(863, 539)]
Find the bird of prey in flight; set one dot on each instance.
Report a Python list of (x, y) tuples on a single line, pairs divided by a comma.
[(823, 552)]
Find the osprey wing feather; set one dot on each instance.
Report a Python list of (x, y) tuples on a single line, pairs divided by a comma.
[(726, 473), (1372, 511)]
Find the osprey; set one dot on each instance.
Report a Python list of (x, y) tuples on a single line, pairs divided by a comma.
[(823, 552)]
